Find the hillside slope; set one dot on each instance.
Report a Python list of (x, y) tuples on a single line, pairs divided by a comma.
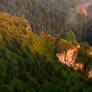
[(17, 32), (28, 61), (54, 16)]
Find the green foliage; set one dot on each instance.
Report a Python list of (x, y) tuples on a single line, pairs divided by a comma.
[(28, 61), (70, 36), (51, 32), (64, 45), (52, 16), (84, 57), (50, 88)]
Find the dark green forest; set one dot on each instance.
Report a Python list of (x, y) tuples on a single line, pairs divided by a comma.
[(51, 17), (28, 61)]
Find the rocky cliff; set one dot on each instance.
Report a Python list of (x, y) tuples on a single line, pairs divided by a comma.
[(69, 58)]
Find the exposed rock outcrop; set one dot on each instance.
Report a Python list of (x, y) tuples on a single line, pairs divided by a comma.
[(90, 74), (43, 34), (69, 58)]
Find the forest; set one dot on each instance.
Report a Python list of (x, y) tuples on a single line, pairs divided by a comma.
[(28, 61), (54, 16)]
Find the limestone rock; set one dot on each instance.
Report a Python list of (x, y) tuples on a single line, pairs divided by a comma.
[(69, 58)]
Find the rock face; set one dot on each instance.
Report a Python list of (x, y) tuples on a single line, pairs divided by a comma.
[(43, 34), (90, 74), (69, 58)]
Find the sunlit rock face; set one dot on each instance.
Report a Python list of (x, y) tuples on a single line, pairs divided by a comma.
[(69, 58), (84, 9), (81, 10), (43, 34), (90, 74)]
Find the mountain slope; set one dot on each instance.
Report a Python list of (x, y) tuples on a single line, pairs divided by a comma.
[(40, 15), (54, 16), (28, 62), (17, 31)]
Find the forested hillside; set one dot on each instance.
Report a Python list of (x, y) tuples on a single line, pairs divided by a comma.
[(39, 16), (54, 16), (28, 61)]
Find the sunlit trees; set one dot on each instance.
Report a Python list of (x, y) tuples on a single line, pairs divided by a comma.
[(70, 36)]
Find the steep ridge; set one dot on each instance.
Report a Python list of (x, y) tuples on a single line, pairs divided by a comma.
[(28, 61), (17, 31)]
